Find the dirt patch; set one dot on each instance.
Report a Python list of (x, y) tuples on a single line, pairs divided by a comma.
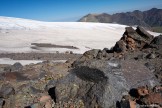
[(48, 45), (39, 56)]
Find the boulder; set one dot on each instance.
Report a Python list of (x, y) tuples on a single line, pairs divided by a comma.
[(157, 40), (151, 56), (7, 90), (88, 55), (156, 44), (106, 49), (144, 34), (34, 90), (15, 67), (133, 40), (1, 102), (13, 76), (130, 32), (152, 98), (150, 67), (120, 46), (100, 83), (100, 55), (91, 53)]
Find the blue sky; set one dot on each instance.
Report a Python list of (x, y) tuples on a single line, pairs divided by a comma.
[(70, 10)]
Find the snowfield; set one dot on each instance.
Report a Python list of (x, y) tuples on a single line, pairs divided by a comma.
[(17, 35), (24, 62)]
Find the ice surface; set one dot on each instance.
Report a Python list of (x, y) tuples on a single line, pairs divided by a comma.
[(23, 62), (16, 35)]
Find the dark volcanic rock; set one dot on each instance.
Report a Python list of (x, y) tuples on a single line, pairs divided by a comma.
[(90, 74), (6, 90), (1, 102), (151, 56), (101, 83), (34, 90), (98, 79), (10, 76), (133, 40), (157, 40), (92, 53), (140, 75), (89, 84), (143, 33), (120, 46), (150, 67), (15, 67), (131, 32), (156, 43), (124, 104)]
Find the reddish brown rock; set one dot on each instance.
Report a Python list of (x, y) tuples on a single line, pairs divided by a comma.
[(133, 40)]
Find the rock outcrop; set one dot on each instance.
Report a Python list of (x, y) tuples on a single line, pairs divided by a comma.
[(133, 40), (101, 83), (101, 77), (6, 90), (127, 76)]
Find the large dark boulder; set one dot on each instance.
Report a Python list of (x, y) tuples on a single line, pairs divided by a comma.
[(100, 78), (6, 90), (101, 83)]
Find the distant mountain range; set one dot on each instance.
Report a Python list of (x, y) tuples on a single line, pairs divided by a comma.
[(149, 18)]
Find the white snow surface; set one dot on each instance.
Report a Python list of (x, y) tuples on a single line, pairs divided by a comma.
[(23, 62), (16, 35)]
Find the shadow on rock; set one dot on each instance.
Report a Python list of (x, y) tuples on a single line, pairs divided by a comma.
[(134, 93), (52, 93), (90, 74)]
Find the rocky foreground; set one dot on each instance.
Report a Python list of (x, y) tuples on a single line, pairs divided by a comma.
[(40, 56), (128, 75)]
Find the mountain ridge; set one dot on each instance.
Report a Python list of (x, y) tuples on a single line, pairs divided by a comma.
[(149, 18)]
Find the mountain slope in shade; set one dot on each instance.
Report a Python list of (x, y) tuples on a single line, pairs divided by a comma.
[(149, 18)]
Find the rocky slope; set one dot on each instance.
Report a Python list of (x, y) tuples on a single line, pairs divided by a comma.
[(127, 76), (149, 18)]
